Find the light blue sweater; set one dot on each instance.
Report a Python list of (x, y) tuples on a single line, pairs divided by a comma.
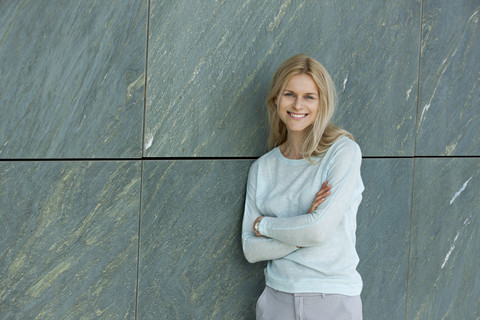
[(282, 190)]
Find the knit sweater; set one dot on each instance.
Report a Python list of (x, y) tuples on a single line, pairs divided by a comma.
[(282, 190)]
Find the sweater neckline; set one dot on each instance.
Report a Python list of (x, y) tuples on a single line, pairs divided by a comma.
[(288, 160), (303, 160)]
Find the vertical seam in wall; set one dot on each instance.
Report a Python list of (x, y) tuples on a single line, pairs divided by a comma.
[(419, 77), (138, 240), (142, 163), (410, 237), (146, 77), (414, 157)]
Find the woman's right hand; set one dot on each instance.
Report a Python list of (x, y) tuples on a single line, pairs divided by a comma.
[(320, 196)]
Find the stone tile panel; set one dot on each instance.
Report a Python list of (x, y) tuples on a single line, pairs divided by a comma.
[(383, 236), (69, 239), (210, 64), (443, 276), (73, 76), (449, 112), (191, 260)]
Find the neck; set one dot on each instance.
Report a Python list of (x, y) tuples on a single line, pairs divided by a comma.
[(292, 148)]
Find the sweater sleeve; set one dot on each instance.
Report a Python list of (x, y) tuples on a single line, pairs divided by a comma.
[(258, 248), (312, 229)]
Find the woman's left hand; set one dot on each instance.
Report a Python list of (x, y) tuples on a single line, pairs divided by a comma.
[(320, 196)]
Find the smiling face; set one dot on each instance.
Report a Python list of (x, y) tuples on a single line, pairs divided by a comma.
[(298, 104)]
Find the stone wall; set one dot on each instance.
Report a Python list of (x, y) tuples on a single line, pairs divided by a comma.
[(127, 129)]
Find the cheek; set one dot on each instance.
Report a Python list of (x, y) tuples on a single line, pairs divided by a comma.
[(282, 104), (286, 101), (315, 107)]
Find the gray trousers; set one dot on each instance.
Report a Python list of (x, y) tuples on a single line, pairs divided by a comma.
[(278, 305)]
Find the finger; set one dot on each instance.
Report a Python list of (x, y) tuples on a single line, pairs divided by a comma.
[(322, 192), (325, 189), (321, 196), (315, 206), (316, 203)]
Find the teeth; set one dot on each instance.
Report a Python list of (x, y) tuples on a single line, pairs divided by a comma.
[(297, 115)]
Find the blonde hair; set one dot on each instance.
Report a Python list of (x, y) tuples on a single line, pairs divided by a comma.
[(322, 133)]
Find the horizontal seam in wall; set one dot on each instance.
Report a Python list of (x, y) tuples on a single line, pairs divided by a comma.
[(123, 159), (421, 157), (211, 158)]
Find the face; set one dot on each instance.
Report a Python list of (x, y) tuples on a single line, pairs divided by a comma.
[(298, 104)]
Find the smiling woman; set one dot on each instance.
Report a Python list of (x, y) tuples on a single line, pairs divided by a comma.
[(297, 108), (322, 133), (302, 200)]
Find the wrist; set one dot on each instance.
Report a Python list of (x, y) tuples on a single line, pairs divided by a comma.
[(256, 227)]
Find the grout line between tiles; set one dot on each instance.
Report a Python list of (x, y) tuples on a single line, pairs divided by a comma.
[(146, 78), (410, 239), (414, 160), (207, 158), (142, 164), (419, 78), (138, 241)]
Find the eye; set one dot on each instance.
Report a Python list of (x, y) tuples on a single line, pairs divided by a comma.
[(288, 94), (310, 97)]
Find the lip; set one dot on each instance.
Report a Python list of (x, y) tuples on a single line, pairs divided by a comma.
[(297, 116)]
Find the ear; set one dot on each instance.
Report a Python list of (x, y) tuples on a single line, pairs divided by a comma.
[(275, 100)]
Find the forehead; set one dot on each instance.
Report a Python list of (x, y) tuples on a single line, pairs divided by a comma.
[(301, 83)]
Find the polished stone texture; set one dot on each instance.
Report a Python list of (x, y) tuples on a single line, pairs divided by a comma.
[(449, 110), (78, 238), (191, 260), (444, 277), (383, 235), (191, 263), (69, 239), (73, 78), (210, 63)]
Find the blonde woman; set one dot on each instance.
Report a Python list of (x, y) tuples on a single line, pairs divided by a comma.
[(303, 227)]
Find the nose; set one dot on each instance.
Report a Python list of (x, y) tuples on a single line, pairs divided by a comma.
[(298, 104)]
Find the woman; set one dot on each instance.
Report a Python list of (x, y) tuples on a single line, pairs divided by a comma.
[(304, 228)]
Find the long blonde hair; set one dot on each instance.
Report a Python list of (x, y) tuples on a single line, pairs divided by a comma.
[(322, 133)]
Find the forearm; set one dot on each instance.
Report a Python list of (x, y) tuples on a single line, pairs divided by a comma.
[(255, 247), (312, 229), (258, 249), (304, 231)]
